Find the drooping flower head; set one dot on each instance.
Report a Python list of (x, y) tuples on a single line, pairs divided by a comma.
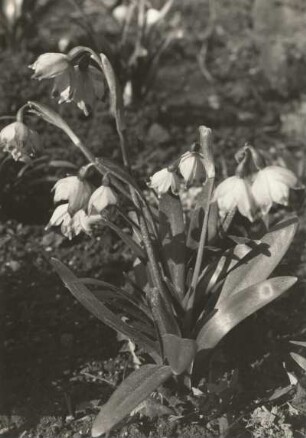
[(72, 226), (81, 83), (75, 191), (88, 85), (20, 141), (101, 198), (235, 192), (192, 167), (272, 184), (82, 222), (61, 218), (50, 65), (165, 179)]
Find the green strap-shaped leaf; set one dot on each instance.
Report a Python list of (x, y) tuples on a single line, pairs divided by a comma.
[(114, 291), (239, 306), (300, 360), (180, 352), (132, 391), (299, 343), (261, 261), (172, 236), (99, 310), (114, 91)]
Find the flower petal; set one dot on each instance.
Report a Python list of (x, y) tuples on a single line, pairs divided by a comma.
[(282, 175), (58, 216)]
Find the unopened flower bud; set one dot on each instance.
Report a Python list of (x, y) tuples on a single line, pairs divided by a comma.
[(206, 146), (163, 180), (73, 190), (20, 141), (101, 198), (50, 65)]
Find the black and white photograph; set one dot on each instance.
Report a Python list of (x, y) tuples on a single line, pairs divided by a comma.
[(152, 219)]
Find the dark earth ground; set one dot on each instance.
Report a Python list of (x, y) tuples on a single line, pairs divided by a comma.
[(58, 362)]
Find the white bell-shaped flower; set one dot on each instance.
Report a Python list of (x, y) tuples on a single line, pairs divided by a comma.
[(272, 184), (101, 198), (83, 222), (192, 167), (235, 192), (75, 191), (50, 65), (163, 180), (61, 218), (20, 141)]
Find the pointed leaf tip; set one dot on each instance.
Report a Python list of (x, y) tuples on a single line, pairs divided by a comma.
[(300, 360), (132, 391)]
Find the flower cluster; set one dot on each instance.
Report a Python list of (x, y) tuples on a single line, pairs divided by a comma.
[(82, 205), (251, 192), (20, 141), (81, 83), (190, 166), (254, 192)]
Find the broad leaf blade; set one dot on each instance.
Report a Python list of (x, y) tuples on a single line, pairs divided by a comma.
[(98, 309), (261, 261), (172, 236), (239, 306), (180, 352), (132, 391)]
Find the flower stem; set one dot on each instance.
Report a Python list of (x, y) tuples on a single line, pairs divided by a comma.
[(200, 252)]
